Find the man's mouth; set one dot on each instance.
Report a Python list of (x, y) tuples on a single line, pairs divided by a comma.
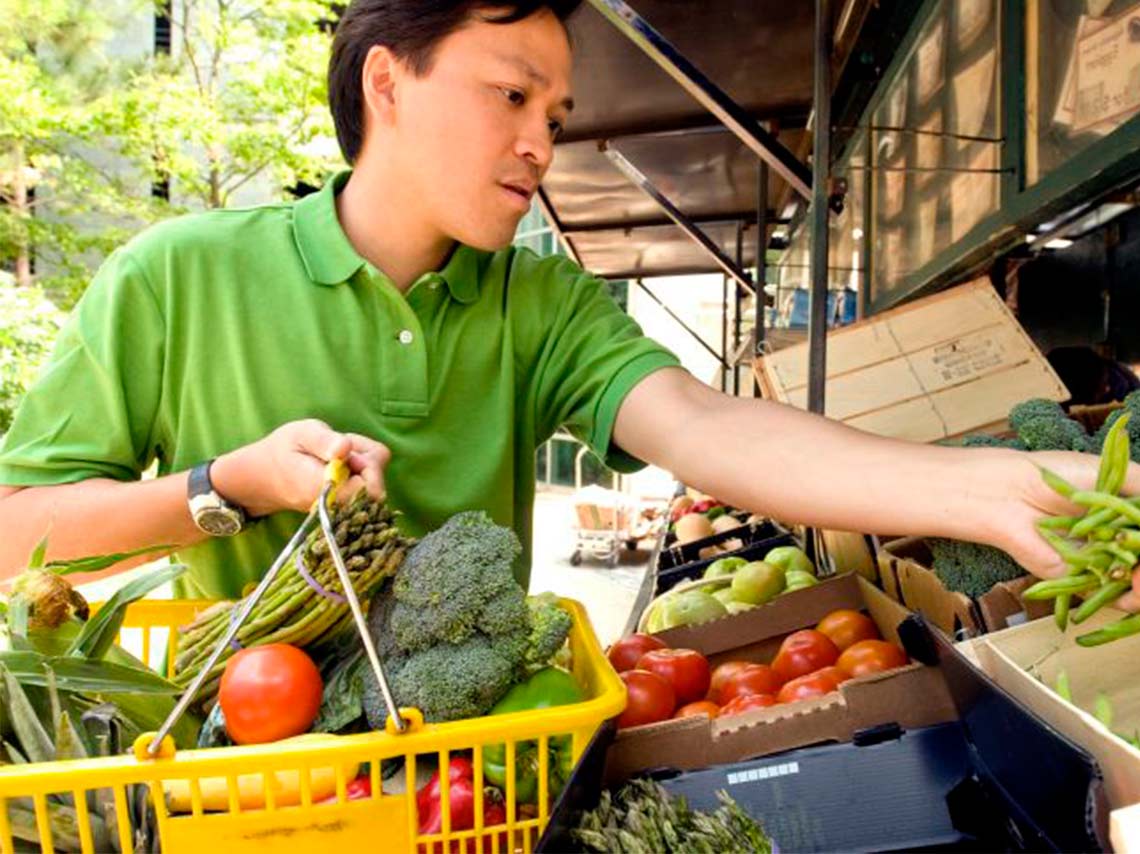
[(523, 192)]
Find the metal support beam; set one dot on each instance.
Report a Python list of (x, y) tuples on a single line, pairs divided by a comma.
[(724, 332), (821, 173), (556, 225), (711, 97), (761, 257), (725, 218), (682, 323), (638, 178), (759, 295)]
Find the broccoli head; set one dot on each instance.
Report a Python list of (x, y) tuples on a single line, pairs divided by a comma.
[(1049, 433), (1035, 408), (456, 630), (1131, 405), (971, 568)]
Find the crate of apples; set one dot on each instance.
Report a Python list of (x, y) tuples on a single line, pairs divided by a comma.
[(663, 683)]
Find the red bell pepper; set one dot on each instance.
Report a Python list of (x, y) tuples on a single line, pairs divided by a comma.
[(358, 789), (461, 796)]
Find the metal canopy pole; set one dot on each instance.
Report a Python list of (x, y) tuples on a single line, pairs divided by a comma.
[(761, 258), (724, 331), (711, 97), (638, 178), (821, 170), (758, 294), (556, 225), (682, 323)]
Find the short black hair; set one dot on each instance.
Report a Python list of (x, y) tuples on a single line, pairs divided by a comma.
[(410, 29)]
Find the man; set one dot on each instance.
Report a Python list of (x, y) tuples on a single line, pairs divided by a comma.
[(386, 321)]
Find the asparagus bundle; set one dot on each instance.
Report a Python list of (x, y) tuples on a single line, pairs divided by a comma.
[(304, 605)]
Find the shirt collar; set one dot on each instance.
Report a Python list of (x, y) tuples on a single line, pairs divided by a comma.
[(330, 259)]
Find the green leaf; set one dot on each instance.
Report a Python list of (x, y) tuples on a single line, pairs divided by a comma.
[(18, 619), (68, 744), (35, 743), (85, 676), (39, 553), (98, 635), (101, 562)]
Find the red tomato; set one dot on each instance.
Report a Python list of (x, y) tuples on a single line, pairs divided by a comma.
[(840, 676), (701, 707), (269, 693), (803, 652), (686, 669), (846, 627), (805, 687), (745, 702), (871, 656), (624, 654), (650, 698), (753, 679), (721, 674)]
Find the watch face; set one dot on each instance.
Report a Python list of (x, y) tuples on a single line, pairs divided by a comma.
[(219, 521)]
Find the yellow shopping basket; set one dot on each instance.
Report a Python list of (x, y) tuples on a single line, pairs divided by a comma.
[(283, 777)]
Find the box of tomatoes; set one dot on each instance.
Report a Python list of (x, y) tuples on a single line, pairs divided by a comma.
[(811, 666), (819, 725)]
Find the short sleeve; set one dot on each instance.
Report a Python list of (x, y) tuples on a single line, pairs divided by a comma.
[(92, 410), (593, 355)]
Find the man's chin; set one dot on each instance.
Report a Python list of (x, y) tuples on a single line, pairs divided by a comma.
[(487, 241)]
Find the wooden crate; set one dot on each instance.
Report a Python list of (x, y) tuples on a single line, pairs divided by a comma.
[(937, 368)]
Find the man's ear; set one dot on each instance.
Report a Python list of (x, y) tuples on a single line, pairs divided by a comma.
[(379, 84)]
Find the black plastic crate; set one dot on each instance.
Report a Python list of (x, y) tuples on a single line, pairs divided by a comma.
[(666, 579), (673, 555), (997, 779)]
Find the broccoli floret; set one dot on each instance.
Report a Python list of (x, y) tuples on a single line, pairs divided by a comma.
[(456, 630), (445, 682), (549, 626), (1132, 406), (1035, 408), (1049, 433), (447, 579), (971, 568)]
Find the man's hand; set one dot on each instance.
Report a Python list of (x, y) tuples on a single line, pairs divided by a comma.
[(286, 469), (1030, 498)]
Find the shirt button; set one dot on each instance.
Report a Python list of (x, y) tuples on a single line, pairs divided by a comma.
[(406, 336)]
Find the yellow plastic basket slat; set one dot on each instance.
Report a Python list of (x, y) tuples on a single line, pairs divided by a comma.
[(387, 821)]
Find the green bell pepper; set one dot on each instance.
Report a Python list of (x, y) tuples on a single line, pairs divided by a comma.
[(549, 687)]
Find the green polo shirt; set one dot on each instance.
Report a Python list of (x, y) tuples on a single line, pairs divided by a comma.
[(206, 332)]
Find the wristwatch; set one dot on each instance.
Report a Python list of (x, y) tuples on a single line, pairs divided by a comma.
[(212, 513)]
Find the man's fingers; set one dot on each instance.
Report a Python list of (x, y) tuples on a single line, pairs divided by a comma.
[(1132, 481), (1130, 601)]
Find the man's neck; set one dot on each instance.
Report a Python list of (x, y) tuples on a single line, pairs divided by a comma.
[(373, 216)]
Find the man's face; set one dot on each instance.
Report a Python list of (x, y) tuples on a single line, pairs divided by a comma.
[(475, 135)]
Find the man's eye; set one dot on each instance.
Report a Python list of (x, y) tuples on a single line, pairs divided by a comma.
[(514, 96), (555, 128)]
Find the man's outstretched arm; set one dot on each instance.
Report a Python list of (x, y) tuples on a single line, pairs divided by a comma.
[(797, 467)]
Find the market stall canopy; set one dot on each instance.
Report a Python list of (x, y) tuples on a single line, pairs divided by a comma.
[(759, 52)]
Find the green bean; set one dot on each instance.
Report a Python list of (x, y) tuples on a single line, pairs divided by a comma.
[(1114, 458), (1107, 593), (1091, 521), (1063, 688), (1056, 586), (1113, 631), (1061, 610), (1129, 539), (1060, 545), (1103, 534), (1103, 500), (1057, 523), (1057, 483)]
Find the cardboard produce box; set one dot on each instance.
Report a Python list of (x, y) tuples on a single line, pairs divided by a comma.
[(1026, 661), (936, 368), (906, 577), (986, 775), (913, 696)]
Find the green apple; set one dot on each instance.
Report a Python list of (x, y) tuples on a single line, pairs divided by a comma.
[(798, 580), (788, 558), (724, 595), (724, 566), (690, 608), (757, 582)]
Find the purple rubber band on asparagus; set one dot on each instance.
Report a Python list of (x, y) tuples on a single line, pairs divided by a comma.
[(299, 562)]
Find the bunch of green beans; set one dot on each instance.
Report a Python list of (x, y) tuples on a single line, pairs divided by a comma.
[(1101, 548)]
